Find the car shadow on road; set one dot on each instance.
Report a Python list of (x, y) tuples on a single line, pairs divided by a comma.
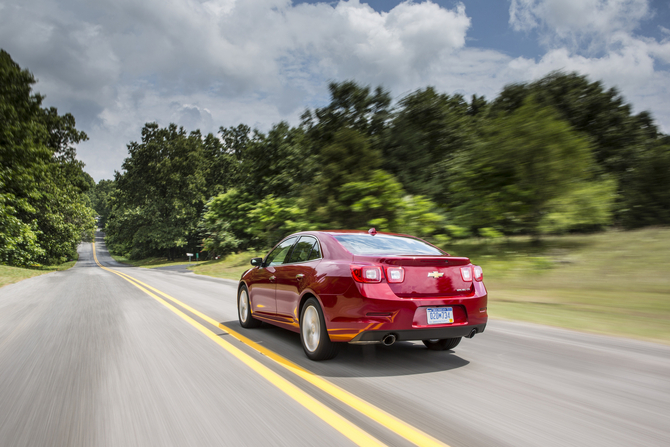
[(401, 359)]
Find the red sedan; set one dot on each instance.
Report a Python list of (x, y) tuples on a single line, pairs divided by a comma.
[(363, 287)]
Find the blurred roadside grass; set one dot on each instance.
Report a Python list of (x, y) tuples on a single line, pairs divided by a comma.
[(153, 262), (230, 267), (10, 275), (614, 283)]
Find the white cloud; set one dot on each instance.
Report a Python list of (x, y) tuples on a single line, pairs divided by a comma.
[(577, 22), (598, 38), (660, 50), (117, 64)]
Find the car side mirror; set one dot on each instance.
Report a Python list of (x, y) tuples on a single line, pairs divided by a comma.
[(257, 262)]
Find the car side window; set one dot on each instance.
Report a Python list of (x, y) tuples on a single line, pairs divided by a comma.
[(278, 255), (303, 249), (316, 251)]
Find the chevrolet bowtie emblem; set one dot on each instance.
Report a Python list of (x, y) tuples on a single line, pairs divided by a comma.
[(435, 275)]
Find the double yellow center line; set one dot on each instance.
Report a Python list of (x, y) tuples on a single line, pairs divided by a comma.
[(341, 424)]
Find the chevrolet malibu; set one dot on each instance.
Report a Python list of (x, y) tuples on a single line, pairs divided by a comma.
[(351, 286)]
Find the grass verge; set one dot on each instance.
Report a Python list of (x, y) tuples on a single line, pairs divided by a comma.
[(10, 275), (230, 267), (153, 262), (614, 283)]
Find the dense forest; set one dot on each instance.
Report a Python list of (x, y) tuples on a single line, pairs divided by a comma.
[(561, 154), (558, 155)]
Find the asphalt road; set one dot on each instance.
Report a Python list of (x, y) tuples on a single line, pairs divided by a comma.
[(89, 359)]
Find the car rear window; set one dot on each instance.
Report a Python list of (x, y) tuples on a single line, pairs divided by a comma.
[(365, 244)]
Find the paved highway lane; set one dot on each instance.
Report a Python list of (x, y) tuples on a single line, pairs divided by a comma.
[(87, 358)]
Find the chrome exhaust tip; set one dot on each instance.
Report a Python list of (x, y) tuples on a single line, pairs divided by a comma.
[(471, 334), (388, 339)]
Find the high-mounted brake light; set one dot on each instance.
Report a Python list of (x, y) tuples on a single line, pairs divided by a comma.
[(395, 274), (366, 273), (466, 273), (479, 273)]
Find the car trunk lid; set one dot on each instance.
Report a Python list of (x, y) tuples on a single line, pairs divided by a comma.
[(427, 276)]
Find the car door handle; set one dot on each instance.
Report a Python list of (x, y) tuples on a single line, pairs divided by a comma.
[(299, 275), (272, 278)]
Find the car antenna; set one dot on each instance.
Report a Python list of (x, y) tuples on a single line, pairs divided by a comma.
[(372, 231)]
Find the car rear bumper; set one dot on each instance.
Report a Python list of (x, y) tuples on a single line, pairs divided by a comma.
[(419, 334), (355, 318)]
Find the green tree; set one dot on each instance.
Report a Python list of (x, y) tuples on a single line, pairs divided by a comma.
[(160, 195), (101, 200), (371, 201), (273, 218), (42, 184), (225, 224), (347, 158), (529, 163), (220, 166), (273, 163), (351, 106), (225, 157), (64, 207), (381, 202), (233, 221), (18, 241), (428, 129), (23, 160), (590, 108), (341, 145), (647, 200), (621, 141)]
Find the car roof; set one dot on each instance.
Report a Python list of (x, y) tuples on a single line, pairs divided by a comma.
[(333, 232)]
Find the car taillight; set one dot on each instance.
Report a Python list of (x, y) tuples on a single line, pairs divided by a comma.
[(366, 273), (466, 273), (479, 273), (395, 274)]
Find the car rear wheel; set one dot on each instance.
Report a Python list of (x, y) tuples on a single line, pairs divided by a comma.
[(442, 344), (244, 309), (313, 333)]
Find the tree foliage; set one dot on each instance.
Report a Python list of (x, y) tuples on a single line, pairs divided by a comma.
[(528, 163), (272, 163), (160, 195), (621, 141), (44, 210), (428, 130), (101, 200), (647, 199), (556, 155), (353, 107)]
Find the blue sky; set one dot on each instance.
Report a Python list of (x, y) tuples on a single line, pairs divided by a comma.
[(117, 64)]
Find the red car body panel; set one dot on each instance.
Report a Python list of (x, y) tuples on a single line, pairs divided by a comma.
[(263, 290), (365, 312)]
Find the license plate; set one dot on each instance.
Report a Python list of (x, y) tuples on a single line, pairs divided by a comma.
[(440, 315)]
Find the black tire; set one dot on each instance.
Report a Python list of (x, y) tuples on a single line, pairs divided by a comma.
[(244, 309), (314, 334), (443, 344)]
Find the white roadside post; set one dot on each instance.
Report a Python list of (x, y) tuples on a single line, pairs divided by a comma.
[(189, 257)]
